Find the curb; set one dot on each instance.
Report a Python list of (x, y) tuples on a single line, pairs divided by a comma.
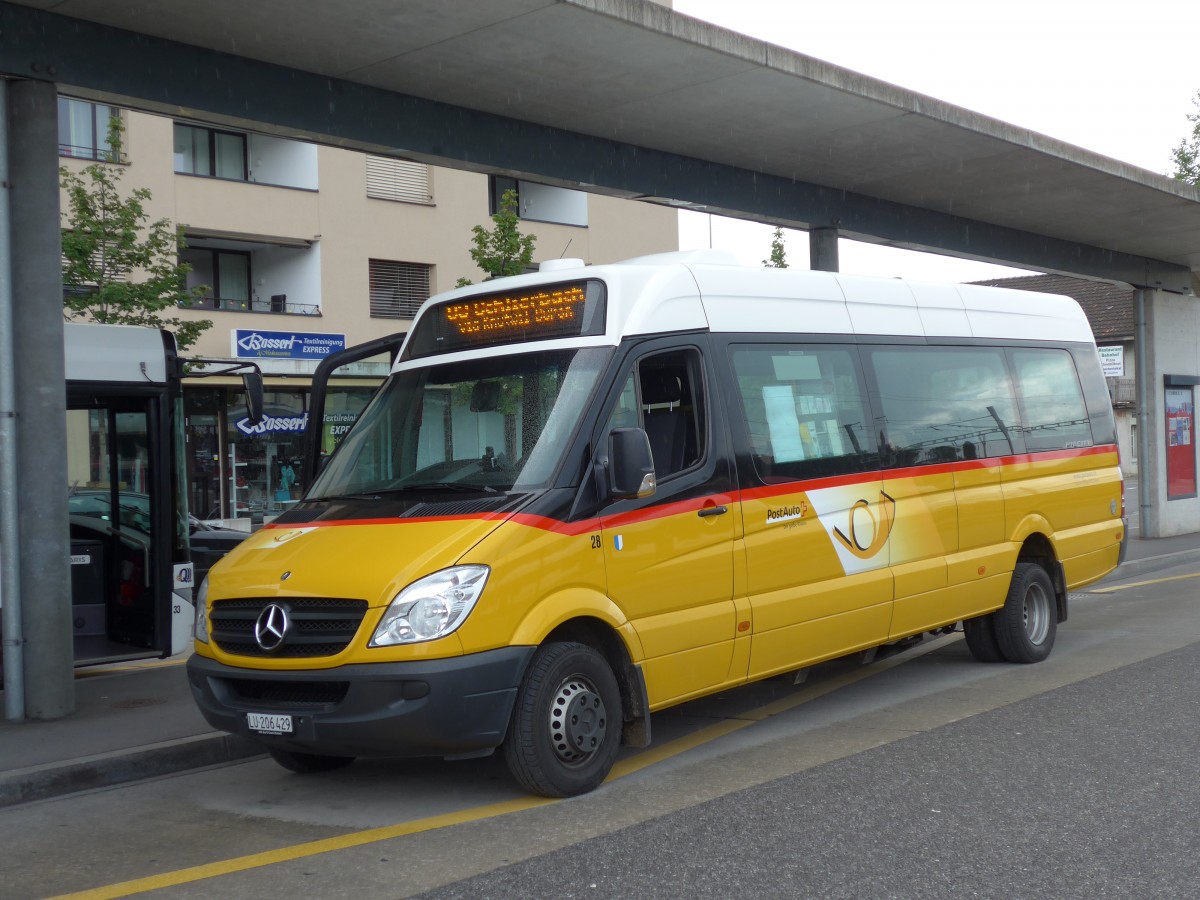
[(1133, 566), (120, 767)]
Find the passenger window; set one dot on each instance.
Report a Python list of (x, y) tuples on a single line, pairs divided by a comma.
[(1055, 415), (804, 411), (943, 404), (663, 396)]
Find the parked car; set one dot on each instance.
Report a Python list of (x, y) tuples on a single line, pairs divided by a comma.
[(208, 542)]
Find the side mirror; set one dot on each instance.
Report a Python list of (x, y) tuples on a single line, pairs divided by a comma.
[(252, 383), (630, 464)]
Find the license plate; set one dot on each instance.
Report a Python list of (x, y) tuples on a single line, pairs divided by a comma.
[(265, 723)]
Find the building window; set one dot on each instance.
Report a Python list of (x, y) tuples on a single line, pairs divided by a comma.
[(398, 179), (206, 151), (83, 129), (225, 275), (397, 288), (540, 202)]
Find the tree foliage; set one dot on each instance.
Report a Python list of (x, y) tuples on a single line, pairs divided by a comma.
[(503, 250), (778, 258), (1187, 155), (119, 267)]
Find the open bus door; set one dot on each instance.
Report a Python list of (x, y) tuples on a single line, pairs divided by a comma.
[(131, 574), (342, 385)]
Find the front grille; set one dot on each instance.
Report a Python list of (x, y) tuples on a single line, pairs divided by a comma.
[(293, 695), (316, 626)]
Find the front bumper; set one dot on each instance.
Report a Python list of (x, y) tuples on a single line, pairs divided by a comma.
[(445, 707)]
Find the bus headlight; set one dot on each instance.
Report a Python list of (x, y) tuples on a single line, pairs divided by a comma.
[(202, 612), (431, 607)]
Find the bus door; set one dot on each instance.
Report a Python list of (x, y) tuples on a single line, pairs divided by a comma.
[(669, 557), (816, 517), (118, 490)]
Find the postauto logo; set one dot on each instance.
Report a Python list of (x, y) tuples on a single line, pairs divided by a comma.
[(274, 424)]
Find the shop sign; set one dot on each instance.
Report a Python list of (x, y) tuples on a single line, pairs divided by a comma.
[(254, 344), (1112, 361), (274, 425)]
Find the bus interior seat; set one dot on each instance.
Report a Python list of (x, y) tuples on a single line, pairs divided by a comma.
[(665, 421)]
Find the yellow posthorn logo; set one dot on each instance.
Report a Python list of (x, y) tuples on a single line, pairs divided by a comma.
[(863, 542)]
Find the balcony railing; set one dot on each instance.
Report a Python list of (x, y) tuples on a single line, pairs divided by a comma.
[(272, 306)]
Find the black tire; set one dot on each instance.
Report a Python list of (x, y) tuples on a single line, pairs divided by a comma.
[(981, 639), (1028, 621), (308, 763), (566, 723)]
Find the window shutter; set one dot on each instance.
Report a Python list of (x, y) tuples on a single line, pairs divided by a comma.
[(397, 289), (398, 179)]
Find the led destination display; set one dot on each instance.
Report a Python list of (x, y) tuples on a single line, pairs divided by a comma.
[(535, 313)]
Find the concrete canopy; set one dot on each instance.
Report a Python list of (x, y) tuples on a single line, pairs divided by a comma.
[(629, 98)]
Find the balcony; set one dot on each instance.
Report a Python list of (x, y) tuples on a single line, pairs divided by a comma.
[(277, 304)]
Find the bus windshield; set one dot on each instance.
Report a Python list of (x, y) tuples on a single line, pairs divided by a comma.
[(491, 424)]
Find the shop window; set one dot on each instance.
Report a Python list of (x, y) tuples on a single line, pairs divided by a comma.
[(264, 472), (397, 288)]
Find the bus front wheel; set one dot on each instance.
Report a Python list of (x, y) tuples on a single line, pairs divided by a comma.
[(566, 724), (1028, 621)]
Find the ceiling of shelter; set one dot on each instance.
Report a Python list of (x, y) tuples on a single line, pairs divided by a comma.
[(660, 90)]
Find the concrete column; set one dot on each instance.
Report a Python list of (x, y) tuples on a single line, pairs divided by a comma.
[(823, 249), (40, 386), (1171, 347)]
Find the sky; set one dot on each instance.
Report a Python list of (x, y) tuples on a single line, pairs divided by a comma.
[(1116, 78)]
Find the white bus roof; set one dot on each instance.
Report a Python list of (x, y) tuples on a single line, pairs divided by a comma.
[(114, 353), (706, 290)]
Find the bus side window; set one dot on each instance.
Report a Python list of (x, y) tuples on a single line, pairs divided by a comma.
[(804, 409), (1052, 402), (944, 404), (663, 397)]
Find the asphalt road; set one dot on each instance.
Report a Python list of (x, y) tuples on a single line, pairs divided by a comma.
[(920, 775)]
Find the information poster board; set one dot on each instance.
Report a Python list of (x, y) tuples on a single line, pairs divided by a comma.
[(1181, 451)]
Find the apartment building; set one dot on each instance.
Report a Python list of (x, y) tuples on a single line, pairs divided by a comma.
[(304, 249)]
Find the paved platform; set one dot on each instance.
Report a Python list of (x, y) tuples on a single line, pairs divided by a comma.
[(138, 720)]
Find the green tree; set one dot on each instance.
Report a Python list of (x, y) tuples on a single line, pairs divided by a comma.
[(503, 250), (118, 267), (778, 259), (1187, 155)]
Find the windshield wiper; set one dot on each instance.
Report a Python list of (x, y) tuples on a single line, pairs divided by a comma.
[(456, 486)]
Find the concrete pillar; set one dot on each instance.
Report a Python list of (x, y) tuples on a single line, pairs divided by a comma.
[(40, 387), (1171, 349), (823, 249)]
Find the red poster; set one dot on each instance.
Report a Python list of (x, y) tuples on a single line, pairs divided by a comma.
[(1181, 452)]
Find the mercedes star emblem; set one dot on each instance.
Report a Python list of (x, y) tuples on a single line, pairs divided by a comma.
[(271, 627)]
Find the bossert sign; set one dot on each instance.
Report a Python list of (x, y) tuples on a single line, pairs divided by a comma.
[(273, 424), (285, 344)]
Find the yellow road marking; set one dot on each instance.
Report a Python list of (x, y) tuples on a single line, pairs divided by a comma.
[(620, 770), (1133, 584)]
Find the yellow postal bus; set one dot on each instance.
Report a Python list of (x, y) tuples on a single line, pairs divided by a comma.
[(591, 493)]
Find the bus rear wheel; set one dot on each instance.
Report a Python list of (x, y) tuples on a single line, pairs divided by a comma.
[(308, 763), (1027, 622), (980, 633), (566, 723)]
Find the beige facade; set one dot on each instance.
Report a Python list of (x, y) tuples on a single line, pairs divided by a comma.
[(298, 241), (304, 216)]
